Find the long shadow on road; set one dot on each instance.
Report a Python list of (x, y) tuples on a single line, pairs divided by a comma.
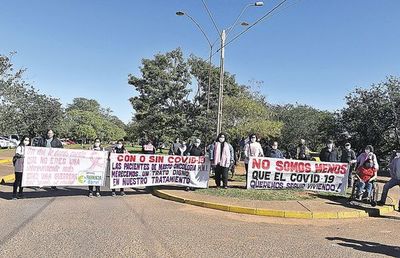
[(60, 192), (369, 247)]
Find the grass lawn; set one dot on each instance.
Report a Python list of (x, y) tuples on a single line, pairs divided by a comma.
[(262, 195)]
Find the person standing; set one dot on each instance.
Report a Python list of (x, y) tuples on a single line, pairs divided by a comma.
[(96, 147), (119, 148), (148, 148), (175, 147), (329, 153), (195, 150), (302, 152), (222, 157), (394, 169), (275, 152), (349, 157), (252, 149), (50, 141), (18, 162)]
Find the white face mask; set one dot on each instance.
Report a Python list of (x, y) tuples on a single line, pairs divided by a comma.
[(119, 146), (96, 144), (253, 140), (347, 147), (197, 144), (221, 139), (398, 154), (26, 142), (367, 151), (330, 146), (274, 147)]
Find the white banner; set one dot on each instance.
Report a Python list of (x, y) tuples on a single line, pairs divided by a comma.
[(134, 170), (269, 173), (63, 167)]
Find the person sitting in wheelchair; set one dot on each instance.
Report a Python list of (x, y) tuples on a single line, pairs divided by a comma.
[(366, 174)]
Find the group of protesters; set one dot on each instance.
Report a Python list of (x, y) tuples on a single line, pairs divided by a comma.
[(223, 157)]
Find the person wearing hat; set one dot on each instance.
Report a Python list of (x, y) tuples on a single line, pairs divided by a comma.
[(222, 157), (349, 157), (394, 169), (329, 153)]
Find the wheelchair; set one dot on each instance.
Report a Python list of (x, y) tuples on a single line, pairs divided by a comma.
[(372, 199)]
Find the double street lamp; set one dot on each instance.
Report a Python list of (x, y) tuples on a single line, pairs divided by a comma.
[(222, 37)]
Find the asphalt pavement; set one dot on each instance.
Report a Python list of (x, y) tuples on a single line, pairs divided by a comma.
[(67, 223)]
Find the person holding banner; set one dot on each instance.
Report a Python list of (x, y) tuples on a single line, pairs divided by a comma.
[(252, 149), (50, 141), (96, 147), (349, 157), (18, 162), (149, 148), (275, 152), (195, 149), (119, 148), (329, 153), (302, 152), (222, 157)]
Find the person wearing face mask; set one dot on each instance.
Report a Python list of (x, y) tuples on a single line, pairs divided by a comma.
[(175, 147), (195, 149), (222, 157), (302, 151), (274, 152), (148, 148), (367, 154), (366, 174), (18, 162), (329, 153), (96, 147), (394, 169), (349, 157), (119, 148), (50, 141), (252, 149)]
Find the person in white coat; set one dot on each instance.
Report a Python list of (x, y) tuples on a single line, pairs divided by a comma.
[(252, 149)]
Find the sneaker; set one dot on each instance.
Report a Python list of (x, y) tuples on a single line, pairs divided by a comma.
[(359, 197), (98, 194), (54, 188), (113, 194), (187, 189), (20, 196), (225, 187), (90, 195), (123, 193), (14, 198)]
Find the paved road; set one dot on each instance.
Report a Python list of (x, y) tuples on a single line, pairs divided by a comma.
[(66, 223)]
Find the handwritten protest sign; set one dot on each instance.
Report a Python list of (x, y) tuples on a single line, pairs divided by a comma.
[(133, 170), (269, 173), (63, 167)]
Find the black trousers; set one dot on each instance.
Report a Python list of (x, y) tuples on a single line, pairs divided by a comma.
[(221, 173), (17, 183), (91, 188)]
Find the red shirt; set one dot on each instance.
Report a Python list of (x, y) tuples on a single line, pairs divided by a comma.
[(366, 173)]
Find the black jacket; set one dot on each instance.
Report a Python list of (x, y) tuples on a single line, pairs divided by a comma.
[(55, 143), (328, 156), (348, 155), (195, 151)]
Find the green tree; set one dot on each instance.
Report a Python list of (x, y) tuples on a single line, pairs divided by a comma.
[(23, 110), (371, 116), (162, 96)]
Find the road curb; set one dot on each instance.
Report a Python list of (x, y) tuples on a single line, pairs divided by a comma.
[(4, 161), (370, 212), (7, 179)]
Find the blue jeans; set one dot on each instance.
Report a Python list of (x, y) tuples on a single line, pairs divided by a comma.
[(390, 184), (361, 185)]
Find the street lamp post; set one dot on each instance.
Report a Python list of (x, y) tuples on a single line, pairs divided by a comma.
[(222, 38)]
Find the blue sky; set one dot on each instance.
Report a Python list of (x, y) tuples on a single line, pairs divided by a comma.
[(314, 52)]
